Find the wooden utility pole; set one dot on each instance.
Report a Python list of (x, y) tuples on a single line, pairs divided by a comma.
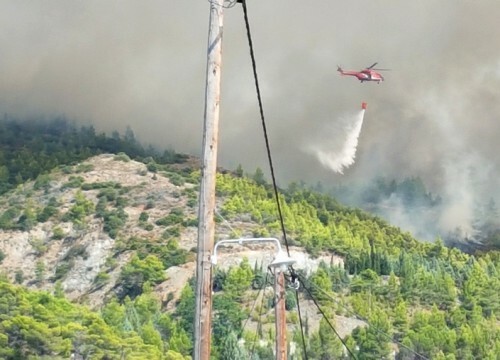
[(280, 314), (206, 226)]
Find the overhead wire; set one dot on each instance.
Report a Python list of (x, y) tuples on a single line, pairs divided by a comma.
[(280, 213), (259, 323), (224, 220), (265, 282), (230, 4), (226, 4), (302, 281), (262, 287), (328, 321), (304, 347), (269, 156), (264, 127)]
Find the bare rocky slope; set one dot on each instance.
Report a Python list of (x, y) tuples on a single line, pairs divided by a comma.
[(91, 248), (77, 255)]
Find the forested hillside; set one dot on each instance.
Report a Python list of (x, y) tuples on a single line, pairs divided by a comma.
[(119, 227), (29, 148)]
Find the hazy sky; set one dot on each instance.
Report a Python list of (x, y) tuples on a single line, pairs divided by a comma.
[(142, 64)]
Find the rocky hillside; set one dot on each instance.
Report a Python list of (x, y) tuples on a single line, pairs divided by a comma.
[(59, 231), (119, 235), (76, 247)]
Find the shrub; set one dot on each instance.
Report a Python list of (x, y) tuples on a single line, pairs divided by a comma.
[(176, 194), (39, 246), (121, 202), (42, 182), (19, 276), (176, 179), (101, 278), (80, 210), (152, 166), (111, 263), (149, 205), (173, 255), (73, 182), (191, 222), (83, 168), (76, 251), (144, 216), (100, 185), (110, 193), (121, 156), (290, 300), (48, 211), (8, 217), (57, 233), (39, 271), (28, 219), (261, 232), (62, 270), (113, 221), (67, 169), (147, 226), (171, 232), (137, 272), (176, 216)]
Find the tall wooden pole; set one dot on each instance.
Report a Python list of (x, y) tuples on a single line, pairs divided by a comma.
[(206, 227), (280, 314)]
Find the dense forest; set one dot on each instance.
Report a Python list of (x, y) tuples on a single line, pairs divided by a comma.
[(417, 300), (32, 147)]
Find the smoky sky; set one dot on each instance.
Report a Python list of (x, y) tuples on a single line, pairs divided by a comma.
[(142, 64)]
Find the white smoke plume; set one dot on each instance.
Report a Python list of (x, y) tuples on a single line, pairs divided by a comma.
[(339, 154)]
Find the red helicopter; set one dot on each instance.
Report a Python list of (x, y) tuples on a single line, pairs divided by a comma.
[(367, 74)]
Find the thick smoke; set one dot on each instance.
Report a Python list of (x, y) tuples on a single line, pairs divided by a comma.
[(142, 64)]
